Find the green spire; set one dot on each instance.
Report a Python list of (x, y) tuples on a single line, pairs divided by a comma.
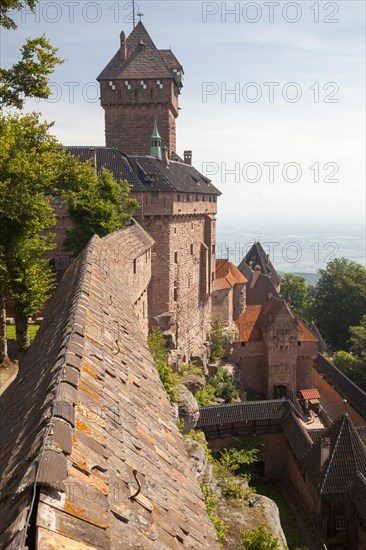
[(155, 150)]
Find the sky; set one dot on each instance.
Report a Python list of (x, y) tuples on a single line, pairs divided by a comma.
[(273, 104)]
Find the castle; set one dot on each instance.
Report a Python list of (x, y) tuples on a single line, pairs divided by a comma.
[(140, 90)]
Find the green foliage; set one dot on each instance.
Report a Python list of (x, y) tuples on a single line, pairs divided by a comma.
[(233, 459), (190, 369), (233, 489), (218, 340), (29, 77), (294, 287), (199, 436), (223, 386), (339, 301), (33, 329), (30, 159), (257, 539), (219, 386), (353, 363), (160, 352), (97, 204), (206, 396), (180, 424), (7, 7), (210, 499)]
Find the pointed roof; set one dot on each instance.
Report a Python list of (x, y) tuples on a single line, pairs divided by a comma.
[(347, 457), (257, 256), (155, 134), (272, 309), (144, 60)]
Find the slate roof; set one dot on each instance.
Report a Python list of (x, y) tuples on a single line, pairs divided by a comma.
[(142, 61), (344, 385), (87, 416), (297, 436), (257, 256), (147, 174), (358, 495), (262, 290), (227, 275), (178, 177), (347, 457), (238, 412)]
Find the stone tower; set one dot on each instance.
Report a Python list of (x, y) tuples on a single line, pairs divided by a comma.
[(140, 85)]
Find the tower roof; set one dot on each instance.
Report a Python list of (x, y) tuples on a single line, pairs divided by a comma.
[(257, 256), (347, 457), (155, 134), (143, 59)]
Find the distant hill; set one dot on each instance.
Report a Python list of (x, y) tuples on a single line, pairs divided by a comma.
[(310, 278)]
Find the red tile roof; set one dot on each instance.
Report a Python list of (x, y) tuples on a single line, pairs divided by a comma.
[(305, 334), (227, 275), (247, 324), (310, 394)]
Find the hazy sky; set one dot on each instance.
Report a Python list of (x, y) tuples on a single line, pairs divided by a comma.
[(296, 72)]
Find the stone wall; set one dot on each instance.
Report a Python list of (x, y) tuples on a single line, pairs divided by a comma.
[(222, 305), (134, 139), (281, 341), (183, 265)]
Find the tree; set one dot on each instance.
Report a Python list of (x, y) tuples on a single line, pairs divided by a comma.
[(97, 204), (339, 301), (7, 7), (353, 363), (295, 290), (28, 77), (160, 353), (30, 159)]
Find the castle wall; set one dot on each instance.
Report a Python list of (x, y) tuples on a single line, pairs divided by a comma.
[(335, 400), (252, 363), (239, 300), (307, 352), (222, 305)]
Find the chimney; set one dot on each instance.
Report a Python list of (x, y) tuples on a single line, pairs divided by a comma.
[(123, 49), (166, 155), (188, 157), (324, 450), (93, 158), (256, 273)]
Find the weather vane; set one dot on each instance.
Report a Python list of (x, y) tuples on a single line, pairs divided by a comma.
[(140, 15)]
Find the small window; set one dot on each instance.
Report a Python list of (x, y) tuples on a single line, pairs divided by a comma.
[(213, 276), (191, 249), (299, 344), (178, 198), (187, 198), (243, 344), (213, 249), (134, 267), (175, 230), (155, 196), (175, 295), (192, 226), (175, 257)]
